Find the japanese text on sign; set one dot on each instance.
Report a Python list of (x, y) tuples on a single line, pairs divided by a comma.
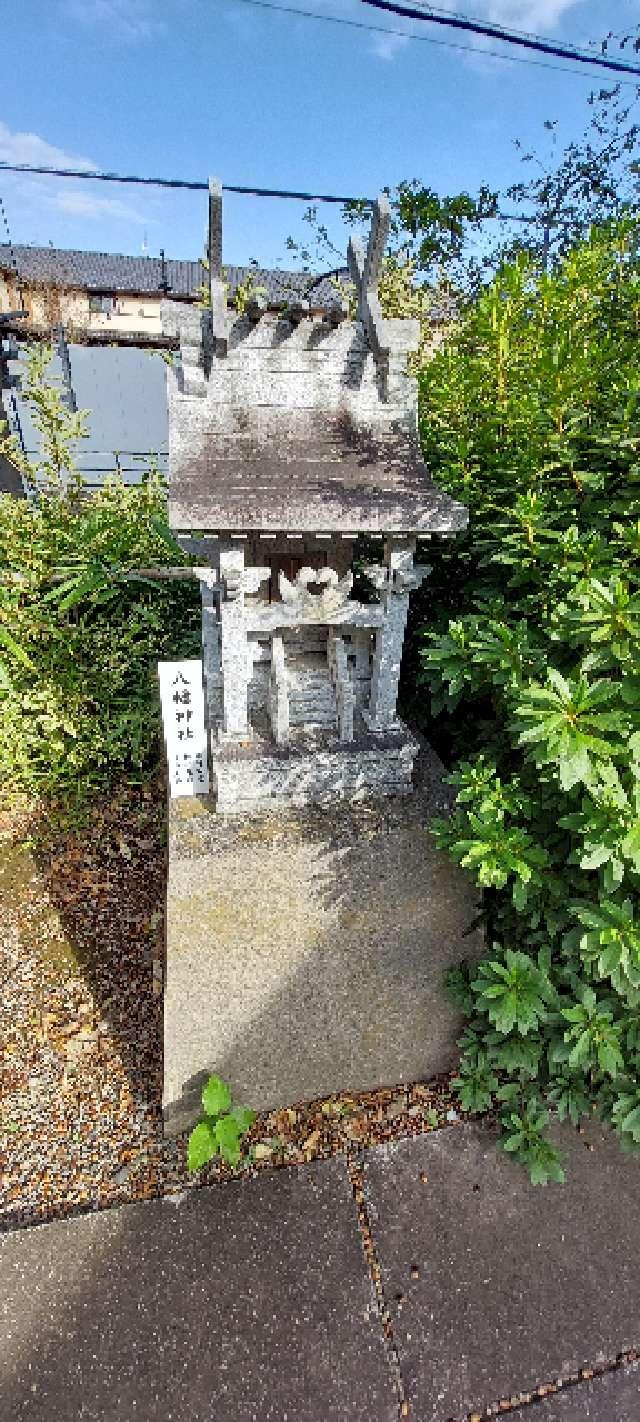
[(185, 737)]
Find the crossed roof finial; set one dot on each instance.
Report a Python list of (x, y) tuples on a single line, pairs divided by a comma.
[(364, 270)]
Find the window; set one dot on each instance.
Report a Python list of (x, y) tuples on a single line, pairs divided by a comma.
[(99, 304)]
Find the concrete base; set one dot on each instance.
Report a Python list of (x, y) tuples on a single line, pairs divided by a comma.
[(306, 951)]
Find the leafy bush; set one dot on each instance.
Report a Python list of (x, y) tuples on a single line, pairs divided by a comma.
[(531, 415), (79, 699), (79, 641)]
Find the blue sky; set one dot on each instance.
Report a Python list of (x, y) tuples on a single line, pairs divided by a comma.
[(190, 87)]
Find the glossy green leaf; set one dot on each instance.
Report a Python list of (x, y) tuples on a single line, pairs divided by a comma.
[(202, 1146), (216, 1096)]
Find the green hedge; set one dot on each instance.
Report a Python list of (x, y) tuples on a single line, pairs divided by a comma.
[(531, 415), (78, 683)]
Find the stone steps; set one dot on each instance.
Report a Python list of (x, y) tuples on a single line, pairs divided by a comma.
[(312, 700)]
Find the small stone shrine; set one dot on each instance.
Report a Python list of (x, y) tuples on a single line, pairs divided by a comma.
[(306, 947), (291, 435)]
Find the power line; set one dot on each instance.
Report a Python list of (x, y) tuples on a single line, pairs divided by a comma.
[(420, 39), (172, 183), (442, 9), (204, 187), (478, 27), (226, 187)]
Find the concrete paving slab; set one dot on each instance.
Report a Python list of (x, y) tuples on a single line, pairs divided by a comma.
[(249, 1301), (614, 1397), (495, 1286), (307, 951)]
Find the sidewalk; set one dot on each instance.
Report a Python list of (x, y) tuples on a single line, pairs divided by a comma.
[(424, 1279)]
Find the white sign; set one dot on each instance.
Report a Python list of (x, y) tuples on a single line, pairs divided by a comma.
[(185, 736)]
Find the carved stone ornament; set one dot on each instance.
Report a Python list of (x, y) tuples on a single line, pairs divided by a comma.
[(334, 592), (210, 577), (396, 580), (237, 581)]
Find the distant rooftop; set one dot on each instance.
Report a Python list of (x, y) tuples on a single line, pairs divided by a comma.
[(142, 276)]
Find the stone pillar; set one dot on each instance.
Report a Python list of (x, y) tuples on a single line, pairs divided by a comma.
[(278, 692), (342, 685), (386, 664), (211, 645), (390, 637), (234, 650)]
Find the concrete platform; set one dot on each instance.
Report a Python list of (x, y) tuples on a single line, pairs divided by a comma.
[(516, 1285), (250, 1302), (306, 952)]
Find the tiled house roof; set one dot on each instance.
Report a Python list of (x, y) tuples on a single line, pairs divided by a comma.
[(142, 276)]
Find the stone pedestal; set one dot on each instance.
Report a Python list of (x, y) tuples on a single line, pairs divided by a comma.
[(306, 949), (313, 770)]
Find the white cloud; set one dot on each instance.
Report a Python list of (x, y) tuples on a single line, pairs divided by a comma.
[(92, 207), (129, 20), (388, 46), (484, 54), (383, 43), (38, 201), (537, 15), (30, 148)]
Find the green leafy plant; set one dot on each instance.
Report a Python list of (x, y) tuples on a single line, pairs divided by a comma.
[(80, 632), (515, 991), (530, 677), (61, 430), (524, 1138), (222, 1128)]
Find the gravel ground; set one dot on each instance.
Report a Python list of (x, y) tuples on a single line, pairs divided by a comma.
[(81, 956)]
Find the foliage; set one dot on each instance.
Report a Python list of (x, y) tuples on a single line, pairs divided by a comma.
[(460, 240), (531, 415), (221, 1129), (80, 636), (245, 291), (565, 190), (591, 180)]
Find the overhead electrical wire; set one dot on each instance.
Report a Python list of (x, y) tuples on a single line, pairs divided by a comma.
[(199, 186), (444, 10), (515, 37), (419, 39), (226, 187), (192, 186)]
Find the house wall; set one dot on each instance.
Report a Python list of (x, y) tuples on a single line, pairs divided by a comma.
[(45, 306), (132, 313), (48, 306), (6, 292)]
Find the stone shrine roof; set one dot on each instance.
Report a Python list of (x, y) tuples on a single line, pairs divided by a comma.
[(298, 424), (328, 476)]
